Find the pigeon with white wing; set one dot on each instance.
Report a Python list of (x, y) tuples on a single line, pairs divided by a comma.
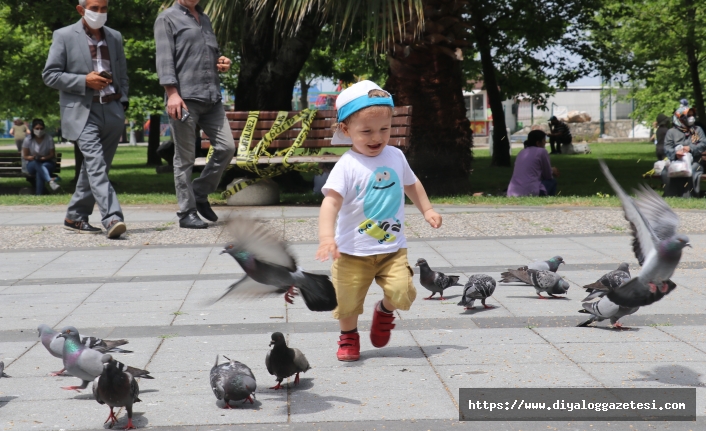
[(656, 244)]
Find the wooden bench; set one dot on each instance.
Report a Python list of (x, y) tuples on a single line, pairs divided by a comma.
[(11, 166), (319, 136)]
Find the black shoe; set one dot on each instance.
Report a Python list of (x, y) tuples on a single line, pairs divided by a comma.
[(80, 226), (192, 221), (116, 229), (204, 208)]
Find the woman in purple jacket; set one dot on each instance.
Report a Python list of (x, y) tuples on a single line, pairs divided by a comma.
[(533, 174)]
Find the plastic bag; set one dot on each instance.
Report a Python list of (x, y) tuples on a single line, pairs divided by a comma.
[(681, 167)]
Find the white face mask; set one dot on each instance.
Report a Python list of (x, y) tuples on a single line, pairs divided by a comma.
[(95, 20), (690, 121), (39, 132)]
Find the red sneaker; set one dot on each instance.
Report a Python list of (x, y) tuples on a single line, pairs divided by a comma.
[(349, 347), (381, 327)]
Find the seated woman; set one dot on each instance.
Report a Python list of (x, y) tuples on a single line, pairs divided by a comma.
[(38, 150), (684, 137), (533, 174)]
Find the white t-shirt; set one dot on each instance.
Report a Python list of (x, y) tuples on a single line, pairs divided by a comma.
[(371, 219)]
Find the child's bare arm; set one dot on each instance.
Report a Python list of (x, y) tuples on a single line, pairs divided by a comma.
[(418, 196), (327, 226)]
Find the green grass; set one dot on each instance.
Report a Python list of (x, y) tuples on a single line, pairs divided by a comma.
[(580, 182)]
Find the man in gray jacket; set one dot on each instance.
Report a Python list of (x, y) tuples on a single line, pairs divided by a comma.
[(188, 63), (87, 65)]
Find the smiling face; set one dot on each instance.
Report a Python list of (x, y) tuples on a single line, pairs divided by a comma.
[(369, 129)]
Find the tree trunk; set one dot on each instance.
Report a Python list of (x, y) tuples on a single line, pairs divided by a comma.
[(270, 66), (692, 59), (431, 82), (152, 158), (501, 143), (304, 98)]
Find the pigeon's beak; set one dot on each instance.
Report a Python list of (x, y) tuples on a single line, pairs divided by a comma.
[(688, 244), (223, 251), (272, 343), (62, 335)]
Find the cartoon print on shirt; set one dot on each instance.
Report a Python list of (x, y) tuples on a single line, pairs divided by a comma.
[(381, 202)]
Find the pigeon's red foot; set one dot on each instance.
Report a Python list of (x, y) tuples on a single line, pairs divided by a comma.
[(296, 379), (665, 287), (618, 325), (72, 388), (227, 406), (441, 298), (249, 398), (289, 295), (541, 297), (430, 296), (488, 306), (277, 386), (653, 287), (57, 373), (555, 297), (111, 418), (130, 426)]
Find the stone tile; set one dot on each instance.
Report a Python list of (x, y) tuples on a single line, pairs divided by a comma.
[(18, 265), (632, 352), (85, 263), (165, 261)]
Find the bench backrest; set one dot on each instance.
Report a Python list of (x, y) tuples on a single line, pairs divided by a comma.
[(320, 134), (11, 164)]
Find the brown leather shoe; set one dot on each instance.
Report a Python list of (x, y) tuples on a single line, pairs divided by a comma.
[(116, 228)]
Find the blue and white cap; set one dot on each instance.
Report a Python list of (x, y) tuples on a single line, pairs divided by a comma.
[(352, 100)]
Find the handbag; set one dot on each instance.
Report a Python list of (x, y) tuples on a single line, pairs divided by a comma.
[(682, 167)]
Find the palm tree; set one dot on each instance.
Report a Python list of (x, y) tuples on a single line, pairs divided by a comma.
[(424, 41)]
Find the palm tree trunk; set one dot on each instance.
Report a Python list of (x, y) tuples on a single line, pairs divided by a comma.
[(304, 97), (430, 79), (270, 66)]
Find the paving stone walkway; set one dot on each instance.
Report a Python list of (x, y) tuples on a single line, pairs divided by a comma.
[(154, 288)]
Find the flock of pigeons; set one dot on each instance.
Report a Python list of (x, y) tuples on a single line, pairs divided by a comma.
[(271, 269)]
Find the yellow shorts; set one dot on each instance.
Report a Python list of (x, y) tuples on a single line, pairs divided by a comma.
[(353, 275)]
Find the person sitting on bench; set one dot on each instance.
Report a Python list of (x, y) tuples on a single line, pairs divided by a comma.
[(559, 134), (38, 151), (533, 174)]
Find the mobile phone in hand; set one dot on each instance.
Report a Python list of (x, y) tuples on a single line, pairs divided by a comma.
[(106, 75), (184, 115)]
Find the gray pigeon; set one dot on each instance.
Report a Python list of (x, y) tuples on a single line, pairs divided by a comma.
[(479, 286), (2, 370), (283, 361), (435, 281), (605, 309), (656, 244), (232, 381), (271, 269), (117, 387), (547, 281), (610, 280), (82, 362), (55, 344), (520, 274)]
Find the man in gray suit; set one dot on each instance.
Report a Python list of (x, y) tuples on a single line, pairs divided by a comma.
[(87, 65)]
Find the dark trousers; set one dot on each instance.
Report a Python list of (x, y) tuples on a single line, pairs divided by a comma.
[(558, 141), (550, 186)]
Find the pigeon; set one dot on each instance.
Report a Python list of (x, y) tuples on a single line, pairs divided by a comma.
[(116, 386), (605, 309), (271, 269), (656, 244), (283, 361), (55, 344), (610, 280), (520, 274), (232, 381), (547, 281), (435, 281), (479, 286), (85, 363), (2, 370)]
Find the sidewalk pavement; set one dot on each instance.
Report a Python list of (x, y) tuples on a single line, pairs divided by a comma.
[(157, 294)]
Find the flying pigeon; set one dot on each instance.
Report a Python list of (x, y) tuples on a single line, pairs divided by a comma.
[(605, 309), (479, 286), (55, 344), (435, 281), (116, 386), (520, 274), (271, 269), (656, 244), (2, 370), (85, 363), (610, 280), (547, 281), (283, 361), (232, 381)]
